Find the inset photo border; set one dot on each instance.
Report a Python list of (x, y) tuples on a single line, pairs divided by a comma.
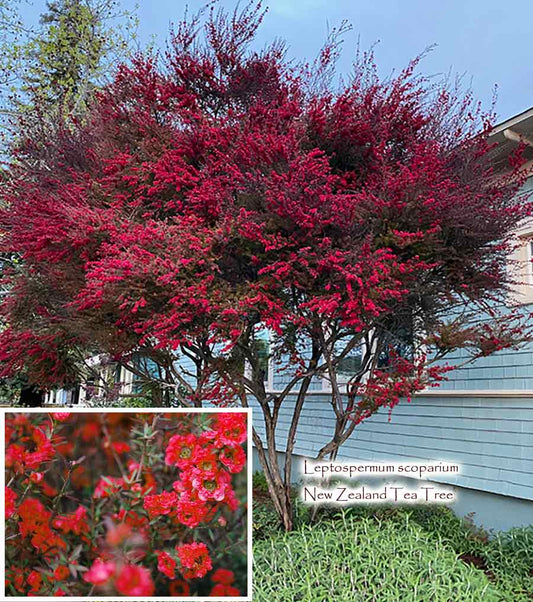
[(127, 503)]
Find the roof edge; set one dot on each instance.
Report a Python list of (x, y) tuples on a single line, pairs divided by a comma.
[(509, 123)]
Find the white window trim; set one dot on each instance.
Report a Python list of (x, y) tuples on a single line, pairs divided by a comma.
[(522, 267), (126, 381), (529, 256)]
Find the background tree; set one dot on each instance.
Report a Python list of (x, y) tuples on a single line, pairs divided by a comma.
[(217, 192), (61, 61)]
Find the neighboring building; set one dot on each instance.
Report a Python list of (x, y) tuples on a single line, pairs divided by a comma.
[(111, 373)]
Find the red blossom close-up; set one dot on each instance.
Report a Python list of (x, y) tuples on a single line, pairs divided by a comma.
[(105, 504)]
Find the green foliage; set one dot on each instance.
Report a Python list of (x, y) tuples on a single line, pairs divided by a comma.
[(416, 543), (138, 401), (10, 389), (362, 559), (11, 31), (265, 522), (506, 556), (509, 556), (461, 534), (259, 482)]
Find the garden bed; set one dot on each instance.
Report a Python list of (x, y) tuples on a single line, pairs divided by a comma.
[(382, 554)]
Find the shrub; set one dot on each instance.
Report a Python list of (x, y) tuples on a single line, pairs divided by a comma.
[(506, 557), (364, 560), (265, 521), (260, 482)]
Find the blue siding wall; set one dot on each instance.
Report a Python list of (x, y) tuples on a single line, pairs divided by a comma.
[(510, 370), (492, 438)]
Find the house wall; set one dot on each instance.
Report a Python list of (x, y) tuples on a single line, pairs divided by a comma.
[(507, 371), (491, 437)]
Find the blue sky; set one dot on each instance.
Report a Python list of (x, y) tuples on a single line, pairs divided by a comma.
[(489, 41)]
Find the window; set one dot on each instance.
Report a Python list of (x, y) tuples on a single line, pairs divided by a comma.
[(350, 364), (262, 347), (399, 342), (529, 266), (521, 261), (521, 267)]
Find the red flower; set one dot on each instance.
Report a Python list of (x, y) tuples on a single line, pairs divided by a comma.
[(205, 462), (231, 500), (223, 576), (61, 572), (15, 455), (73, 523), (224, 579), (35, 523), (100, 572), (134, 580), (231, 429), (134, 520), (44, 450), (180, 450), (224, 590), (120, 447), (194, 558), (10, 498), (191, 511), (61, 416), (108, 486), (179, 588), (233, 458), (163, 503), (212, 487), (166, 564), (36, 581), (36, 477), (16, 577)]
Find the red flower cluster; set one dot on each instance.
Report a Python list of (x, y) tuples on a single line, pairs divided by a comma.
[(73, 523), (163, 503), (128, 579), (207, 462), (35, 523), (131, 534), (166, 564), (9, 501), (195, 560), (224, 580), (18, 456)]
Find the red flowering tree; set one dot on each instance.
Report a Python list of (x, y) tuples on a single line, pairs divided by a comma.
[(217, 192), (168, 517)]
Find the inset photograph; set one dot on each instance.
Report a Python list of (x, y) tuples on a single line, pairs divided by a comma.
[(126, 504)]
